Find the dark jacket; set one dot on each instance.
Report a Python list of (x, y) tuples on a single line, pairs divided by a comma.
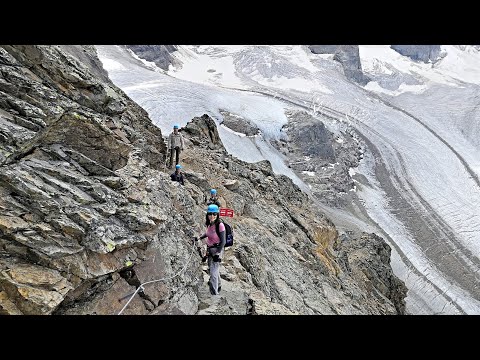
[(214, 201), (177, 177)]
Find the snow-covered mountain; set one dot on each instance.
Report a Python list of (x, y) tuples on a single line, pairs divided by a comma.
[(418, 183)]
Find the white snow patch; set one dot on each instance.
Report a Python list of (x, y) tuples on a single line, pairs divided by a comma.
[(377, 59), (215, 65), (297, 84), (298, 55), (326, 56), (461, 64), (197, 66), (235, 116), (112, 65), (375, 86)]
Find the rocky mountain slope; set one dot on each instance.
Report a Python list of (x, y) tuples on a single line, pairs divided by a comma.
[(88, 211), (159, 54)]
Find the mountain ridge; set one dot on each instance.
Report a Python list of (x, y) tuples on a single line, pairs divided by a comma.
[(89, 211)]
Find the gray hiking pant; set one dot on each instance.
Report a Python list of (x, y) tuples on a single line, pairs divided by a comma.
[(177, 152), (214, 274)]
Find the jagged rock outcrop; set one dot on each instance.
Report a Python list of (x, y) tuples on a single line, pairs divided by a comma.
[(425, 53), (87, 54), (88, 212), (238, 124), (367, 260), (321, 158), (348, 56), (159, 54)]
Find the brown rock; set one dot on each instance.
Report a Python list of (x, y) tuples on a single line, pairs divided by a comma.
[(34, 289), (107, 302), (9, 224), (6, 306)]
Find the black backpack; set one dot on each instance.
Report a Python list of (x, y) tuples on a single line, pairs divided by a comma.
[(228, 233)]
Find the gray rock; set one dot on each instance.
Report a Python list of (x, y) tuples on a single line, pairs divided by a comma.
[(311, 138), (88, 55), (424, 53), (159, 54), (321, 158), (348, 56), (324, 49), (238, 124), (366, 261)]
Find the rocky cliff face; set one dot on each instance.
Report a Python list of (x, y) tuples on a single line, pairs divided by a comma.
[(348, 56), (321, 158), (425, 53), (88, 211), (159, 54), (68, 220)]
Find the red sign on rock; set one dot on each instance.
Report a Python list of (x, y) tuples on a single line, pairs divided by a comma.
[(226, 212)]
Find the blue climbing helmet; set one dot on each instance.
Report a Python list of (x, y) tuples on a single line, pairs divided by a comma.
[(212, 208), (178, 166), (213, 191), (176, 126)]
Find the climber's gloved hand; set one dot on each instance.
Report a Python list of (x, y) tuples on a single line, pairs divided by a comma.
[(204, 258), (216, 258)]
